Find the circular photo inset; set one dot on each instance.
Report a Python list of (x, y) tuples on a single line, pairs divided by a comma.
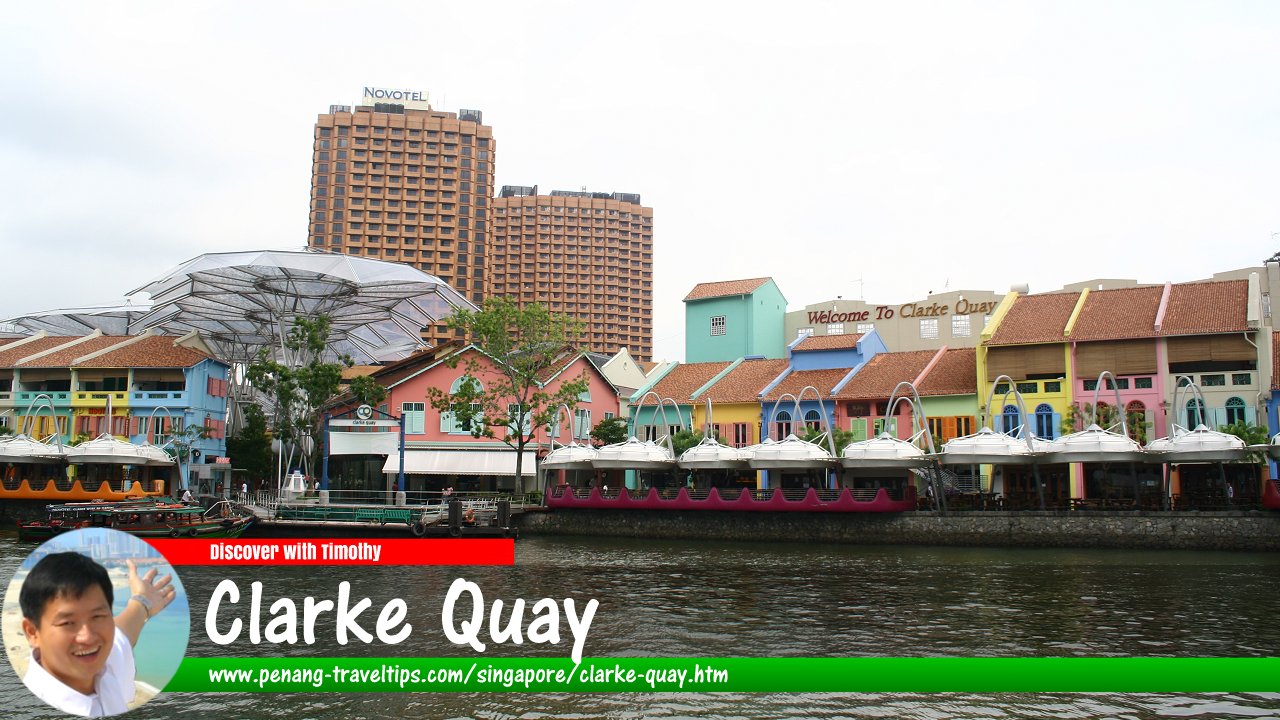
[(96, 622)]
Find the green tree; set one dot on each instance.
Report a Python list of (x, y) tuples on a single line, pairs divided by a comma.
[(686, 439), (178, 443), (250, 447), (299, 381), (609, 431), (520, 350), (841, 437), (5, 430), (1251, 435), (366, 390), (1076, 418)]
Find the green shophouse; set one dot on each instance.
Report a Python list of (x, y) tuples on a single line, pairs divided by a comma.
[(733, 319)]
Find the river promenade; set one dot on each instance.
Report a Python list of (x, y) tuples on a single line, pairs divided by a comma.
[(1249, 530)]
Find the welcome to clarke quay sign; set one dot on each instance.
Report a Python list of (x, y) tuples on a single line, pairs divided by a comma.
[(910, 310)]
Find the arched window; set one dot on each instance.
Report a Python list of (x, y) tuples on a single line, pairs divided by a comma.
[(1235, 410), (1102, 415), (449, 421), (782, 422), (1009, 419), (1135, 415), (457, 384), (813, 420), (1044, 422), (1195, 413)]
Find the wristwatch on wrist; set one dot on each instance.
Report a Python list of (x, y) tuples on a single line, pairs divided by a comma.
[(144, 602)]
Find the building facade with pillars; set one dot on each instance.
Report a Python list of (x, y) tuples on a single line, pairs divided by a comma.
[(588, 255), (395, 179)]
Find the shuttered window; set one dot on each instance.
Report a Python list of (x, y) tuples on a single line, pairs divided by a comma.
[(1210, 348), (1129, 357), (1025, 360)]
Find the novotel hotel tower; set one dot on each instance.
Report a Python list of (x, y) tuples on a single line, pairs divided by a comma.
[(394, 179)]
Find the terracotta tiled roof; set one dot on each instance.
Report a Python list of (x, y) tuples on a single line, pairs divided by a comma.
[(822, 380), (956, 373), (724, 288), (744, 383), (392, 373), (562, 362), (1118, 314), (680, 383), (1207, 307), (1275, 361), (828, 342), (1036, 319), (12, 355), (879, 376), (63, 358), (356, 371), (156, 351)]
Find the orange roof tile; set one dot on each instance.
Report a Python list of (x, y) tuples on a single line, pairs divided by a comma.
[(955, 373), (1118, 314), (744, 383), (155, 351), (878, 377), (724, 288), (64, 357), (12, 355), (356, 371), (394, 372), (1207, 307), (822, 380), (828, 342), (1036, 319), (680, 383)]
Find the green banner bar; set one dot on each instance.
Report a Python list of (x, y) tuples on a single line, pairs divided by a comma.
[(985, 675)]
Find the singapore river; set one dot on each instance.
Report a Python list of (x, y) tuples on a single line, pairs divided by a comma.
[(670, 599)]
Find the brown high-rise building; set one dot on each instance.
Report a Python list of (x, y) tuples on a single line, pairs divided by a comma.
[(587, 255), (405, 183)]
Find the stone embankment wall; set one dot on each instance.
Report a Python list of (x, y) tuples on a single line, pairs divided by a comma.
[(1248, 530)]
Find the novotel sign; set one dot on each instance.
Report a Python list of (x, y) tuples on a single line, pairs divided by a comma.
[(398, 96)]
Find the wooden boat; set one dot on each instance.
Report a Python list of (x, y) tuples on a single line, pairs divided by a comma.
[(145, 518)]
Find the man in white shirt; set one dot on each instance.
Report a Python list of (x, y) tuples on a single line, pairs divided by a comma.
[(82, 657), (187, 496)]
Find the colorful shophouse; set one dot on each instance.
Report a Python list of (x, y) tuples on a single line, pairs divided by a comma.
[(153, 387), (734, 318), (1054, 347), (440, 450), (945, 381)]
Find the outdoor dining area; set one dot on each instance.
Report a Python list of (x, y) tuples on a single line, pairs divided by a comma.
[(1096, 469)]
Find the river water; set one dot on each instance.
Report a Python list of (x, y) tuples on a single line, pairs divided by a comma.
[(706, 599)]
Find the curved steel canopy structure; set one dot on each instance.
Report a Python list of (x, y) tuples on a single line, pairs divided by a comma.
[(241, 302)]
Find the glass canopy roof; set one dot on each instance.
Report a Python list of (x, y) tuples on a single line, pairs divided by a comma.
[(244, 301)]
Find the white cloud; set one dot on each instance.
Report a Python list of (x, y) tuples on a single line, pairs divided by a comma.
[(907, 145)]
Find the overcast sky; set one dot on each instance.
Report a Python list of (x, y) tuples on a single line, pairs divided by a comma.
[(877, 150)]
